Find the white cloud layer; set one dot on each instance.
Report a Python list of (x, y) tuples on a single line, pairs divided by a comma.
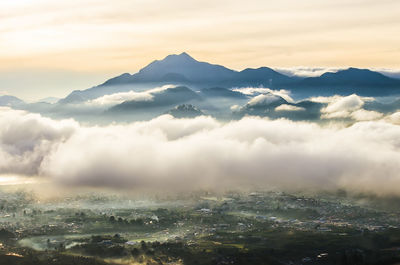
[(117, 98), (304, 71), (342, 107), (346, 107), (255, 91), (286, 107), (186, 154), (263, 99), (26, 139), (365, 115), (393, 73), (394, 118)]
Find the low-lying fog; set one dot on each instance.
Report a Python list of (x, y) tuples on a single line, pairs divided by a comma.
[(172, 154)]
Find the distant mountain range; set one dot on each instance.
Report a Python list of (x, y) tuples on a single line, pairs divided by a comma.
[(352, 80), (10, 101), (184, 70)]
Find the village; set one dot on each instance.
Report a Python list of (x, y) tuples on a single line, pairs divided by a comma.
[(117, 226)]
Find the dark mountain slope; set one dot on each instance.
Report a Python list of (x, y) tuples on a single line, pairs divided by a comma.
[(168, 97), (345, 82)]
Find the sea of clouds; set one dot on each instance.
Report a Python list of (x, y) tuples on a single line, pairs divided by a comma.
[(166, 153)]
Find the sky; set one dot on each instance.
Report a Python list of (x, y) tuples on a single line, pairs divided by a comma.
[(49, 48)]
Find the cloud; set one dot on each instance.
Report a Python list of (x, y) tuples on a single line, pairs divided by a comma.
[(345, 107), (365, 115), (26, 139), (286, 107), (255, 91), (322, 99), (394, 118), (188, 154), (235, 108), (117, 98), (263, 99), (342, 107), (304, 71), (393, 73), (338, 100)]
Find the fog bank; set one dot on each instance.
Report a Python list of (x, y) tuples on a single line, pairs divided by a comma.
[(188, 154)]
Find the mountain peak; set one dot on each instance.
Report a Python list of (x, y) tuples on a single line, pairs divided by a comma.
[(353, 72), (178, 58), (185, 54), (186, 67), (352, 69), (7, 100)]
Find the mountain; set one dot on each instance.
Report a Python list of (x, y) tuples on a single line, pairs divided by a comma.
[(383, 107), (263, 76), (274, 106), (168, 97), (10, 101), (183, 64), (349, 81), (182, 69), (351, 76), (185, 111), (176, 67), (265, 102)]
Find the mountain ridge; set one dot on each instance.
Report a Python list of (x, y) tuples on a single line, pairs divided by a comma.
[(182, 69)]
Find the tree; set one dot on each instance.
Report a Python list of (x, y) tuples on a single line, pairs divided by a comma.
[(135, 252)]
